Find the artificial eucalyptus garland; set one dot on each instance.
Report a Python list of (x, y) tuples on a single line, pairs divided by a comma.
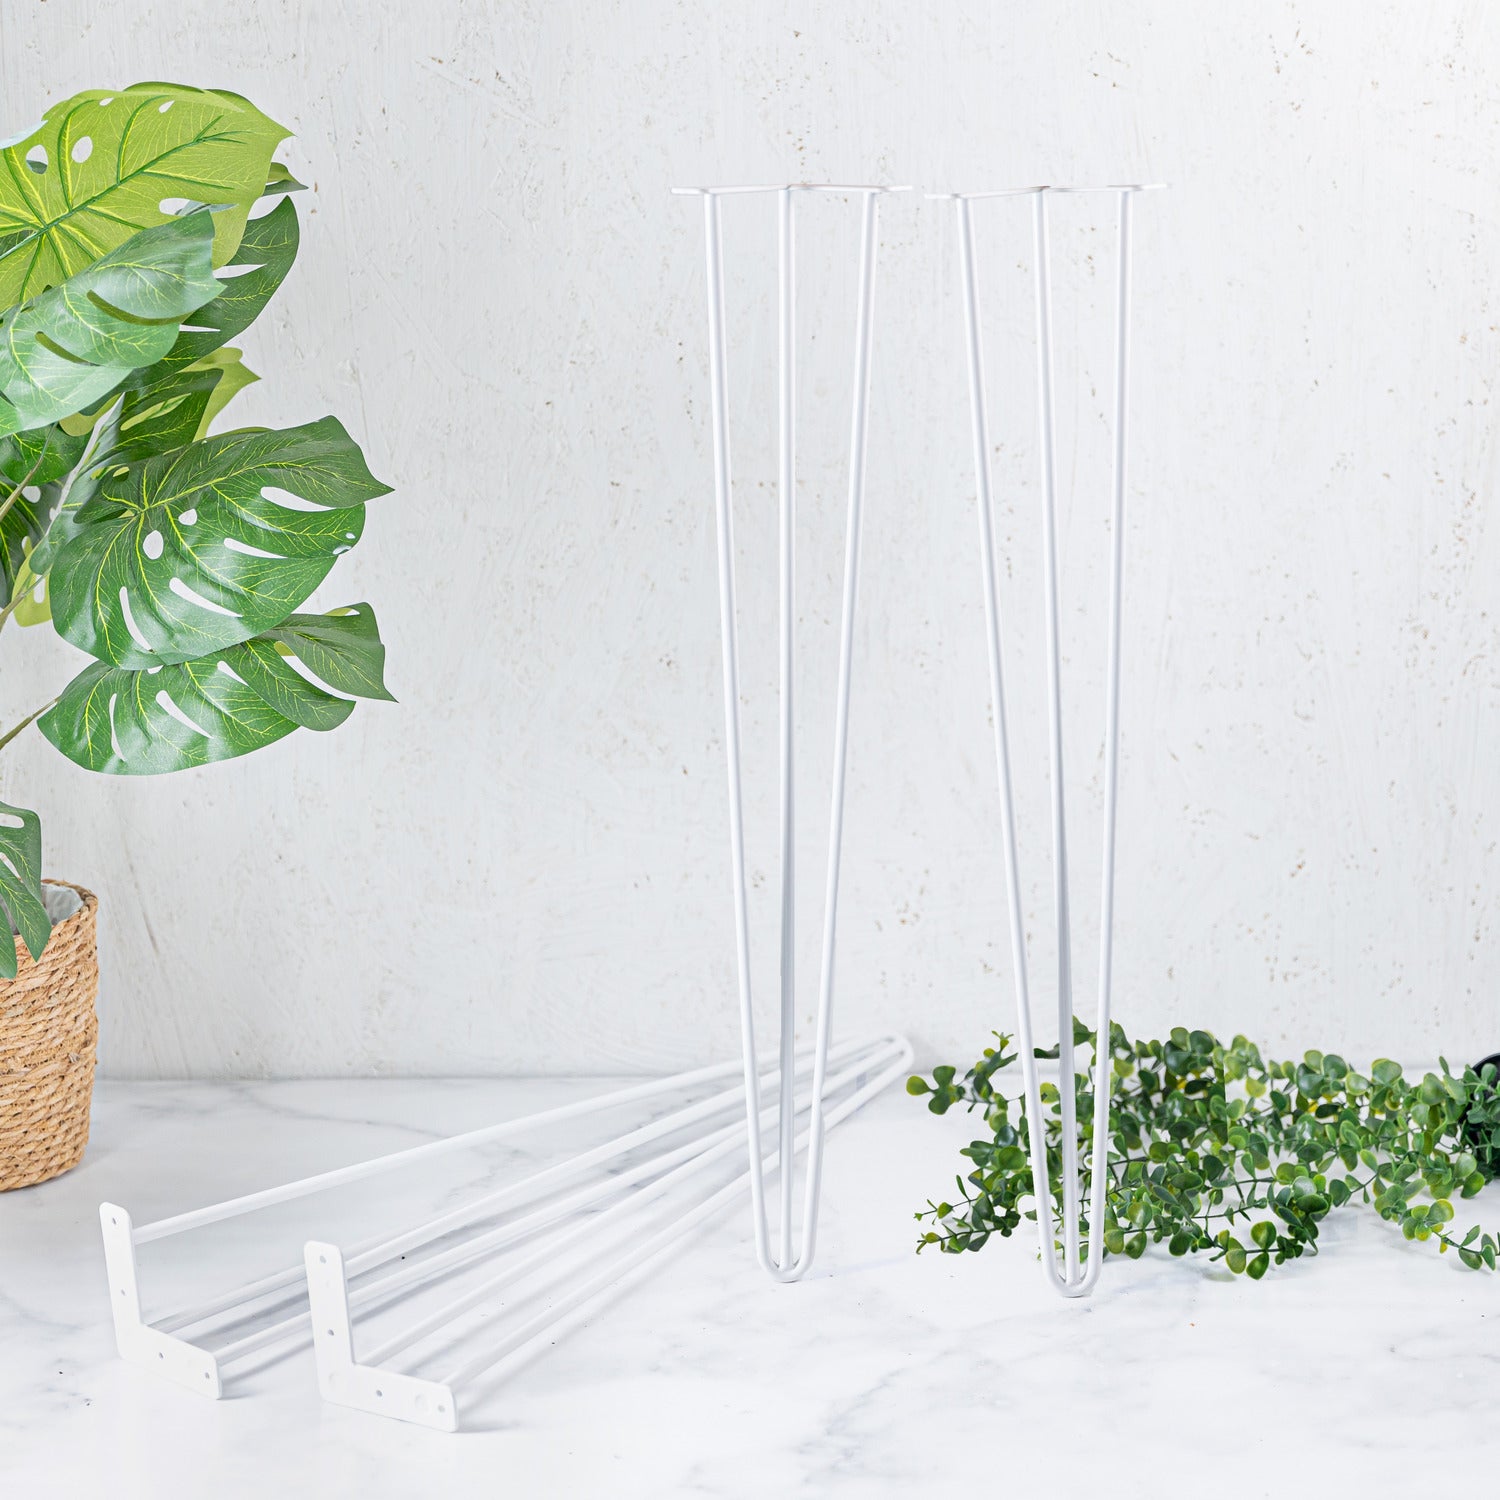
[(1215, 1151)]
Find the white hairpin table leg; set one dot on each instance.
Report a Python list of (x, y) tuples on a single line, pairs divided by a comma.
[(1036, 1139), (165, 1345), (1104, 1070), (614, 1238), (786, 370), (1061, 909), (1072, 1279), (783, 1264)]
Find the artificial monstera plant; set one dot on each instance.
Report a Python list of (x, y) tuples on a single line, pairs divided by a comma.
[(140, 231)]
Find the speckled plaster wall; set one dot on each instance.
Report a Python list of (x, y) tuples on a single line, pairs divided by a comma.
[(522, 866)]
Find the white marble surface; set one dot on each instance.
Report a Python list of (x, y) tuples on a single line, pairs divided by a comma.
[(875, 1376)]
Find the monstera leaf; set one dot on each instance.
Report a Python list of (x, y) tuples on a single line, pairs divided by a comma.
[(32, 466), (228, 703), (21, 884), (233, 376), (104, 165), (66, 349), (342, 648), (202, 547), (196, 371), (40, 456), (178, 408), (23, 522), (248, 281), (173, 401), (29, 597), (60, 500)]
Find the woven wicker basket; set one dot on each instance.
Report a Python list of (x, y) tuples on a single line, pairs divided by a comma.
[(47, 1032)]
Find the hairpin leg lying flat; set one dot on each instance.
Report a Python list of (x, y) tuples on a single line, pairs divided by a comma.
[(1073, 1279), (187, 1345), (617, 1248), (783, 1264)]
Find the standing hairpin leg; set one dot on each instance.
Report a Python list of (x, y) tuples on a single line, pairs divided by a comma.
[(1103, 1068), (1061, 908), (786, 445), (1072, 1279), (783, 1264), (1036, 1139)]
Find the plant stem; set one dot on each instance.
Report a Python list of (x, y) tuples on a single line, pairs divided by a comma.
[(13, 604), (15, 494), (10, 734), (12, 607)]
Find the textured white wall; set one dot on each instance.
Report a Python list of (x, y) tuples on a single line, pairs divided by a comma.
[(522, 866)]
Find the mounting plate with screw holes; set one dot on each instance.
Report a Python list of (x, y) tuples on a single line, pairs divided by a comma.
[(345, 1383), (139, 1344)]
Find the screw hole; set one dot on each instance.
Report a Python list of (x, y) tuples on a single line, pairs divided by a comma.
[(161, 1354), (322, 1260), (380, 1393)]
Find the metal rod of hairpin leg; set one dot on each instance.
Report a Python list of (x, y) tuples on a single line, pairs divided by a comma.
[(408, 1274), (1036, 1136), (667, 1172), (786, 1268), (287, 1285), (395, 1251), (787, 393), (288, 1329), (856, 1059), (231, 1208), (723, 508), (525, 1342), (1065, 1052), (858, 424), (1103, 1069)]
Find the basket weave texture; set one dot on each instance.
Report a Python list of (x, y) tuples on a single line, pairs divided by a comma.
[(48, 1028)]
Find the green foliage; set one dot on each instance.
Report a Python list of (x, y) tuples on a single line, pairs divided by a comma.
[(110, 162), (227, 703), (173, 556), (184, 553), (1214, 1151), (71, 345), (21, 884)]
